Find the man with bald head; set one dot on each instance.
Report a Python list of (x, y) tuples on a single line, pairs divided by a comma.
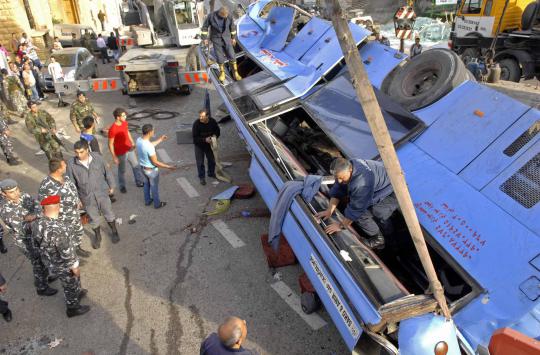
[(229, 339)]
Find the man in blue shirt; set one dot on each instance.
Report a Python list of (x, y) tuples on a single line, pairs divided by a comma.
[(146, 151), (371, 199), (228, 340)]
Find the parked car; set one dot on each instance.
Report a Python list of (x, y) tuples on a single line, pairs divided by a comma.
[(471, 156), (64, 33), (77, 63)]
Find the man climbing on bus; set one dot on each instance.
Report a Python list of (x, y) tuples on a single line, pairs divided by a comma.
[(371, 200), (222, 34)]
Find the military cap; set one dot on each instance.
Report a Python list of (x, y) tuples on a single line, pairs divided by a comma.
[(50, 200), (30, 103), (79, 93), (8, 184)]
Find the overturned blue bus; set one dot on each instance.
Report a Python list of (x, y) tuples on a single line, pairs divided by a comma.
[(471, 157)]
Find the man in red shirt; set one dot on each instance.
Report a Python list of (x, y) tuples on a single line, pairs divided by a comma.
[(122, 148)]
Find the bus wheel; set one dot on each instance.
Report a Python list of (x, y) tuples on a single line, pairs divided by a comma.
[(425, 78)]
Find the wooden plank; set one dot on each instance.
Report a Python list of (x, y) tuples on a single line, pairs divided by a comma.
[(374, 116)]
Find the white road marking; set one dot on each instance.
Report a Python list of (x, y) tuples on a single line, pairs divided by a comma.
[(164, 156), (188, 189), (228, 234), (293, 300)]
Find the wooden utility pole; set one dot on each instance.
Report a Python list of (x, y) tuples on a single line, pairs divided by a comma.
[(29, 15), (376, 122)]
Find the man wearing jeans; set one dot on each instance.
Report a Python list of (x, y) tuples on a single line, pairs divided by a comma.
[(123, 149), (146, 149)]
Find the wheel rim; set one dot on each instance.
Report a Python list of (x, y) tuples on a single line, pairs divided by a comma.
[(421, 82)]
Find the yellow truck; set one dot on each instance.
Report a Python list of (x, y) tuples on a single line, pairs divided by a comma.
[(513, 24)]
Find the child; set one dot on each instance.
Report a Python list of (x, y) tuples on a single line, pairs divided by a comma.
[(86, 134)]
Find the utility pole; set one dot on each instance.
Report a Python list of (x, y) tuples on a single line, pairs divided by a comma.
[(29, 15), (382, 138)]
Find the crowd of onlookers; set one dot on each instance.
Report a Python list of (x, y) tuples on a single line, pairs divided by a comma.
[(48, 229)]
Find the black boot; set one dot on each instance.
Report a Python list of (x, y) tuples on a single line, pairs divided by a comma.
[(82, 253), (3, 248), (77, 311), (96, 240), (8, 316), (49, 291), (377, 242), (14, 161), (115, 238)]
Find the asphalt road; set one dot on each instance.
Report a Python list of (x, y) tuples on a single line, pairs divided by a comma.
[(164, 287)]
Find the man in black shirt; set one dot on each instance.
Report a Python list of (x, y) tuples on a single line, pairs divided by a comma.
[(229, 339), (203, 130)]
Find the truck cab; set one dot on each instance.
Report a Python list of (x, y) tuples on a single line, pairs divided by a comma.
[(517, 43), (183, 18)]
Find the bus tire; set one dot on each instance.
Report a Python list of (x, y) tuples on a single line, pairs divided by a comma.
[(425, 78), (510, 70), (309, 302)]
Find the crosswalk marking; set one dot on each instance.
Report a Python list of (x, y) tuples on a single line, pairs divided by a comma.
[(228, 234), (187, 187)]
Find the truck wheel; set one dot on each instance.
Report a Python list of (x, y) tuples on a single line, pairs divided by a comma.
[(510, 70), (469, 54), (425, 79)]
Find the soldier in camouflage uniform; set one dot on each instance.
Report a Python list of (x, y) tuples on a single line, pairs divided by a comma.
[(41, 124), (57, 183), (53, 238), (15, 90), (80, 109), (5, 141), (18, 210)]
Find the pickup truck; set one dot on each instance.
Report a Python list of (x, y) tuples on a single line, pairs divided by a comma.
[(471, 158)]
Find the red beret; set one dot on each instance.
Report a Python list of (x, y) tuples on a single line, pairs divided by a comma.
[(51, 200)]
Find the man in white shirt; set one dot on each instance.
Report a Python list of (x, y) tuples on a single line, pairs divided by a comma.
[(103, 49), (55, 70)]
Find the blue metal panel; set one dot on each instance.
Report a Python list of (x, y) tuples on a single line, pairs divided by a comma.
[(461, 134), (311, 263), (493, 160), (326, 52), (249, 33), (420, 335), (492, 247), (379, 60), (323, 56), (278, 26), (439, 108), (337, 111), (308, 35), (530, 217), (254, 11)]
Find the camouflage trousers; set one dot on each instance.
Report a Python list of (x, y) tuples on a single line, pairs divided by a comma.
[(78, 231), (7, 146), (39, 269), (19, 102), (72, 287), (53, 153)]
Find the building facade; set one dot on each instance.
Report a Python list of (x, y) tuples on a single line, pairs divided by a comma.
[(37, 17)]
